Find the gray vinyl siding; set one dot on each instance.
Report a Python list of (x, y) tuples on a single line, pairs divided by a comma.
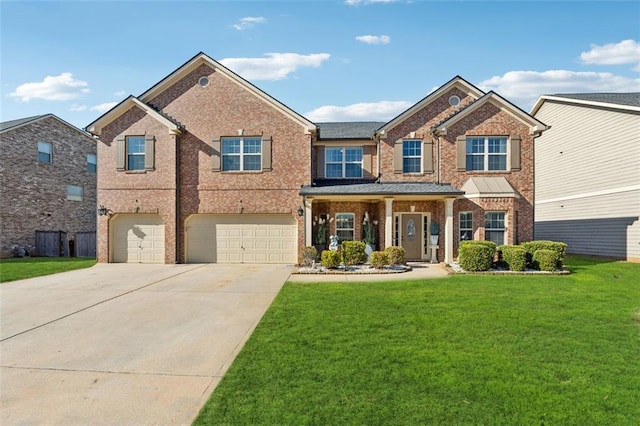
[(587, 180)]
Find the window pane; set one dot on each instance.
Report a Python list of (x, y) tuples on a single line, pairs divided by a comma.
[(344, 235), (252, 162), (252, 146), (333, 155), (91, 162), (74, 193), (498, 162), (353, 170), (475, 145), (333, 171), (411, 148), (495, 236), (44, 157), (497, 145), (344, 220), (475, 162), (44, 152), (494, 220), (135, 162), (230, 162), (135, 145), (231, 146), (411, 165), (466, 235), (353, 154)]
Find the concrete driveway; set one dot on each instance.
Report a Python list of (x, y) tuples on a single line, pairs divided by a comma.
[(126, 344)]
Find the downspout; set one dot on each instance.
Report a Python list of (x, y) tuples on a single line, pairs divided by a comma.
[(436, 139), (179, 234)]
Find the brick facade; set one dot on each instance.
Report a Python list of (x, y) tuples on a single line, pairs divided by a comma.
[(33, 194)]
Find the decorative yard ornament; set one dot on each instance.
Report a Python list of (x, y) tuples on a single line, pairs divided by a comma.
[(334, 243)]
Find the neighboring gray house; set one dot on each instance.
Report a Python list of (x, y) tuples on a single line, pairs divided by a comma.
[(587, 179), (48, 184)]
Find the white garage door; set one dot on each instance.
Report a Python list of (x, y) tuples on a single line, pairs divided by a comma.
[(241, 239), (138, 238)]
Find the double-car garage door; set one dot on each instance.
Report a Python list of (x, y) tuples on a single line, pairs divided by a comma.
[(241, 239)]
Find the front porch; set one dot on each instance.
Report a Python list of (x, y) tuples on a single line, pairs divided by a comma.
[(402, 215)]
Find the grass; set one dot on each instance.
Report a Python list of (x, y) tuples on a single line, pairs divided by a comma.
[(466, 349), (28, 267)]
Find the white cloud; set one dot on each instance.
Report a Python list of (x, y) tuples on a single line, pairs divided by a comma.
[(524, 87), (371, 111), (62, 87), (77, 107), (625, 52), (249, 22), (103, 107), (365, 2), (275, 66), (120, 93), (371, 39)]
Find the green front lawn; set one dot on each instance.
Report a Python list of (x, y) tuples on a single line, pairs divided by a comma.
[(28, 267), (466, 349)]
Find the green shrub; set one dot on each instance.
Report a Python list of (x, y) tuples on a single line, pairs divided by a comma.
[(330, 259), (379, 259), (353, 252), (546, 260), (514, 257), (559, 247), (396, 255), (476, 255), (309, 255)]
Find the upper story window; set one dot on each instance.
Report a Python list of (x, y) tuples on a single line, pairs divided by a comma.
[(486, 153), (412, 156), (343, 162), (44, 152), (494, 227), (74, 193), (466, 226), (92, 163), (135, 152), (345, 226), (242, 154)]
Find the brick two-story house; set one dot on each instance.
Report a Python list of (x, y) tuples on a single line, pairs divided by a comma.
[(205, 167), (48, 171)]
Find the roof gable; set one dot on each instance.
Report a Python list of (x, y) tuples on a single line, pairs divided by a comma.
[(202, 58), (124, 106), (621, 101), (21, 122), (535, 126), (457, 81)]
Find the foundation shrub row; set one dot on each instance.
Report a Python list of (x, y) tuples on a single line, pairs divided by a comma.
[(475, 256), (353, 253)]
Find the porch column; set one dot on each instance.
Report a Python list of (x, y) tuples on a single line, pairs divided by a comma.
[(448, 230), (308, 224), (388, 222)]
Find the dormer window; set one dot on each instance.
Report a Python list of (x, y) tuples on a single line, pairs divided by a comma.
[(343, 162)]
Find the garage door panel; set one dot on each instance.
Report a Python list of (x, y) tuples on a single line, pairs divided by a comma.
[(242, 238), (138, 239)]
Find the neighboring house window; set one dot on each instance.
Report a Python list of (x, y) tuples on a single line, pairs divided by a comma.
[(494, 227), (343, 162), (44, 152), (486, 153), (92, 163), (412, 156), (74, 193), (345, 223), (242, 154), (135, 152), (466, 226)]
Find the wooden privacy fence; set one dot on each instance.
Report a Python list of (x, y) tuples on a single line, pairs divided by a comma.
[(52, 243), (85, 244)]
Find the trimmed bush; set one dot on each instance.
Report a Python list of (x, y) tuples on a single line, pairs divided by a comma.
[(396, 255), (331, 259), (514, 257), (309, 255), (379, 259), (559, 247), (546, 260), (476, 255), (353, 252)]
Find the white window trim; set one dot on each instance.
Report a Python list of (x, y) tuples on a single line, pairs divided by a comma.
[(50, 153), (420, 144), (241, 154), (344, 162), (353, 229), (485, 154)]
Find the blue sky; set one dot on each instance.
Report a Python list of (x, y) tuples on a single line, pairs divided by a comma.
[(354, 60)]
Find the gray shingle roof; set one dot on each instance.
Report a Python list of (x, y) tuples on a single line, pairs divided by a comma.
[(348, 130), (391, 188), (630, 99), (6, 125)]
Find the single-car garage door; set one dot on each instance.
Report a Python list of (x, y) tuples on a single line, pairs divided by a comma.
[(137, 238), (241, 238)]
